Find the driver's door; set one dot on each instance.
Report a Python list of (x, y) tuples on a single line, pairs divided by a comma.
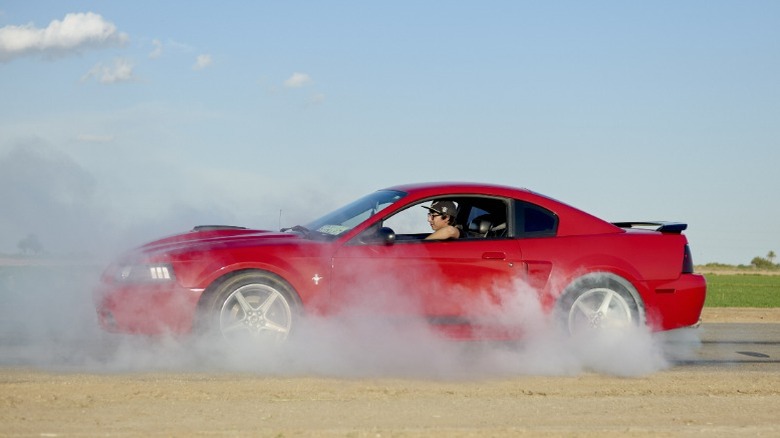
[(449, 281), (443, 279)]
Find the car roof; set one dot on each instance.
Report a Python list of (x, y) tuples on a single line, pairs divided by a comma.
[(573, 220), (457, 187), (426, 189)]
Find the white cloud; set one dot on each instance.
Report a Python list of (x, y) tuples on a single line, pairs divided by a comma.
[(297, 80), (158, 49), (201, 62), (77, 31), (120, 71)]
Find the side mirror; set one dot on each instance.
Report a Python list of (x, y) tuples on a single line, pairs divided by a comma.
[(383, 235), (386, 235)]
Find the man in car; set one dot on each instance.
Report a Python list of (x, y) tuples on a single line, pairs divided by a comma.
[(441, 217)]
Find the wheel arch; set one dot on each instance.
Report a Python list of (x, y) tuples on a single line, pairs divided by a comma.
[(208, 295), (571, 271)]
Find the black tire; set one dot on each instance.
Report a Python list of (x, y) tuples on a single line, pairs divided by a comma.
[(600, 301), (255, 306)]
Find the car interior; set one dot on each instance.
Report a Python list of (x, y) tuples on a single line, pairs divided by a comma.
[(482, 218), (479, 217)]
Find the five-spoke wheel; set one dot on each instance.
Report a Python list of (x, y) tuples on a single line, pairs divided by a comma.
[(601, 301), (253, 305)]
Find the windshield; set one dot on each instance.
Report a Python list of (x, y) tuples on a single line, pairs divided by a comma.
[(350, 215)]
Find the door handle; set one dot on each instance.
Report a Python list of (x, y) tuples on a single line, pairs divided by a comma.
[(494, 255)]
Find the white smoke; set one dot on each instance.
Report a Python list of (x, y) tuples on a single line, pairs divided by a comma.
[(53, 326)]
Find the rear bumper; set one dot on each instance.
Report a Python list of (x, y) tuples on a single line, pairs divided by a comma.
[(147, 310), (678, 303)]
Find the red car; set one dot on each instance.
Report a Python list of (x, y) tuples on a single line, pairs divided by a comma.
[(373, 254)]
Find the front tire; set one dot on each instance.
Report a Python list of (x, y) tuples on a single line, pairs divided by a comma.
[(600, 301), (253, 306)]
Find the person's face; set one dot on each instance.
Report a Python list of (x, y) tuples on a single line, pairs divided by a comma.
[(436, 221)]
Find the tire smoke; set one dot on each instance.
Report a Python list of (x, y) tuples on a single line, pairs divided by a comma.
[(48, 321)]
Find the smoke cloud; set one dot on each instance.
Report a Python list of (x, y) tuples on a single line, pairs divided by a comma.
[(49, 322), (44, 192)]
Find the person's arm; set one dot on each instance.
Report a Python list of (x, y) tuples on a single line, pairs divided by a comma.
[(448, 232)]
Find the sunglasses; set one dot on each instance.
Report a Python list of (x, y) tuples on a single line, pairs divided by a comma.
[(432, 214)]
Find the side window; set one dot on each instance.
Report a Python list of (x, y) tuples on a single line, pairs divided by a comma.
[(408, 225), (410, 221), (486, 218), (475, 213), (534, 221)]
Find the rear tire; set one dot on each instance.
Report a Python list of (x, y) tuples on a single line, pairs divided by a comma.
[(600, 301)]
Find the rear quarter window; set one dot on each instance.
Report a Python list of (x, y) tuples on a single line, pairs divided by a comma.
[(534, 221)]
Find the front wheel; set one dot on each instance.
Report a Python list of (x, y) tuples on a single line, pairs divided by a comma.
[(253, 306), (601, 301)]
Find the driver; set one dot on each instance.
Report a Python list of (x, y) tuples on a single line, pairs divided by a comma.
[(441, 217)]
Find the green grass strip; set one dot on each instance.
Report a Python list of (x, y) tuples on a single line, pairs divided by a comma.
[(742, 290)]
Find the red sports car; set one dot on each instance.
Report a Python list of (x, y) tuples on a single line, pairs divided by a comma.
[(374, 253)]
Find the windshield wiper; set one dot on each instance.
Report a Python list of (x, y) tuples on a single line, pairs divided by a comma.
[(297, 229)]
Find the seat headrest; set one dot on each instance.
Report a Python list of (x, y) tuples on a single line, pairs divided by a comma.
[(480, 224)]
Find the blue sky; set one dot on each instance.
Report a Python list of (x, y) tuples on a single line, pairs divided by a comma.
[(122, 121)]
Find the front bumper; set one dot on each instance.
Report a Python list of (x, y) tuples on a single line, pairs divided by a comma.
[(147, 309)]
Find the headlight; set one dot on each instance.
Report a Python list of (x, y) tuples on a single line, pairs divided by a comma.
[(159, 272)]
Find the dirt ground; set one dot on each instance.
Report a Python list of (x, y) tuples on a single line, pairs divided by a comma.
[(698, 400)]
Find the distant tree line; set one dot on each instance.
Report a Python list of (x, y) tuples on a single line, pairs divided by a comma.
[(767, 262), (30, 245)]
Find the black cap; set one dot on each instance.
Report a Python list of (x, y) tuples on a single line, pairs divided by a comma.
[(444, 208)]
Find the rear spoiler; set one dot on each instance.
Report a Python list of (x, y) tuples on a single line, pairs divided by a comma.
[(664, 227)]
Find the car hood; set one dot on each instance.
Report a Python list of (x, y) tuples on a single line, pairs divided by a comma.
[(206, 238)]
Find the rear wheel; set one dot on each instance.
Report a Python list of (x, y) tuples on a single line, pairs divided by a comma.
[(600, 302), (253, 306)]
